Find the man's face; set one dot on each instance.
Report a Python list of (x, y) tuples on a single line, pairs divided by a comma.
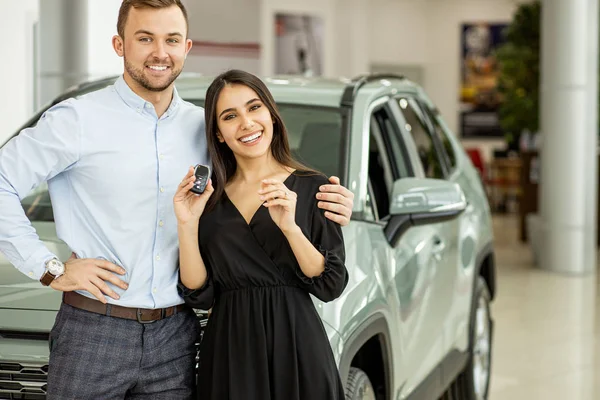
[(154, 47)]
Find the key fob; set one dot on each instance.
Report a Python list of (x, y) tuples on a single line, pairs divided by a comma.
[(202, 174)]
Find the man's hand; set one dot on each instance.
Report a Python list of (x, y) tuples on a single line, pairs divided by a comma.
[(337, 201), (90, 274)]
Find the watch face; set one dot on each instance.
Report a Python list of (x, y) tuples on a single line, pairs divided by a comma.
[(55, 267)]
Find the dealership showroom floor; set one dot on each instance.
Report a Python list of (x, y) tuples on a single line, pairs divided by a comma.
[(546, 327)]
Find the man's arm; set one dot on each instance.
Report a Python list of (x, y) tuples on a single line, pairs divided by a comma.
[(34, 156), (337, 201)]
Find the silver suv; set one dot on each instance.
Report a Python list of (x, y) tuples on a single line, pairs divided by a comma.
[(414, 321)]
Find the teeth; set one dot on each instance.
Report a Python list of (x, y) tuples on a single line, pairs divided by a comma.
[(251, 138), (157, 68)]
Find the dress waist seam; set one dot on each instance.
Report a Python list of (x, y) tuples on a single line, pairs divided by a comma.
[(284, 286)]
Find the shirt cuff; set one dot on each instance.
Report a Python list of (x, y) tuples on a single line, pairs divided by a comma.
[(35, 266)]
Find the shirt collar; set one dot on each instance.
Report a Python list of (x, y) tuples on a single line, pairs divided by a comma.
[(136, 102)]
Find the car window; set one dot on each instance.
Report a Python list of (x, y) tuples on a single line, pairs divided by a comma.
[(387, 162), (442, 132), (416, 124), (393, 143), (370, 213)]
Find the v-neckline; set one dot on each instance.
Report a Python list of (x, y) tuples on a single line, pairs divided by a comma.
[(239, 213)]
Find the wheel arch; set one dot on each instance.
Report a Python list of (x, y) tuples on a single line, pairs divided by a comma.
[(373, 328), (485, 265)]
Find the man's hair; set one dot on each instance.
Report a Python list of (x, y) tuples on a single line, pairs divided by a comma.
[(156, 4)]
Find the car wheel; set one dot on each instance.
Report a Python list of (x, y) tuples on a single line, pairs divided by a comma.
[(474, 381), (358, 386)]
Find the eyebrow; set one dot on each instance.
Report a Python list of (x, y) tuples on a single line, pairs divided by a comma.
[(233, 109), (145, 32)]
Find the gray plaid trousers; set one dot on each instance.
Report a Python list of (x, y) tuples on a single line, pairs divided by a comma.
[(98, 357)]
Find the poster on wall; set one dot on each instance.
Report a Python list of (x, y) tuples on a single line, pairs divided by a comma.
[(298, 45), (479, 97)]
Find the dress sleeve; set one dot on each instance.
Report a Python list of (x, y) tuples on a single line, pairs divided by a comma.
[(202, 298), (327, 238)]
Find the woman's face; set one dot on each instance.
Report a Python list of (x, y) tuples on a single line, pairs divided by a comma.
[(244, 121)]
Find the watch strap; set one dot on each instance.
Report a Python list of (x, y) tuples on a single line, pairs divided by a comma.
[(47, 278)]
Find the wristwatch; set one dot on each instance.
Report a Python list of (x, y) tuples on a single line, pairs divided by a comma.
[(54, 269)]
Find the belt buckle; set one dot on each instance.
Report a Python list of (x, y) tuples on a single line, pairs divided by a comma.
[(138, 315)]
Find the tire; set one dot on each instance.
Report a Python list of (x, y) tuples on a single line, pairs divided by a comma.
[(474, 382), (358, 386)]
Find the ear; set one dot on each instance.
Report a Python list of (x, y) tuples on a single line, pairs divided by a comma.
[(220, 138), (118, 45), (188, 47)]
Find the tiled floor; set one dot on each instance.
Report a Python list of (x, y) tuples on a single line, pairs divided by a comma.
[(546, 328)]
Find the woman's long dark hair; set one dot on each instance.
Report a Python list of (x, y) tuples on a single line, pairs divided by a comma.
[(223, 160)]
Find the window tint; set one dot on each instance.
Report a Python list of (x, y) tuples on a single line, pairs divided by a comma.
[(442, 132), (370, 213), (315, 136), (393, 144), (417, 126), (387, 161)]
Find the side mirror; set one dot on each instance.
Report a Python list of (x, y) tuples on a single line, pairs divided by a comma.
[(418, 201)]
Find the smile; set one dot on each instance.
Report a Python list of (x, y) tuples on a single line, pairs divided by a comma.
[(158, 67), (251, 138)]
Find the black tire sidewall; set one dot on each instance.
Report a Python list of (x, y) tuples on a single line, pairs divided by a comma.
[(468, 379), (357, 378)]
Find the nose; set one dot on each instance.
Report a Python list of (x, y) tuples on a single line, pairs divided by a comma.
[(247, 123), (160, 51)]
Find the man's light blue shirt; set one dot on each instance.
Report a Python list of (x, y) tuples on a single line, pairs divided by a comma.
[(112, 168)]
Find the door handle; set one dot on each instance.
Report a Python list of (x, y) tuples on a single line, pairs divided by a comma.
[(438, 248)]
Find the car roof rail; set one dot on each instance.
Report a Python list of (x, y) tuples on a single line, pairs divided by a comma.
[(358, 82)]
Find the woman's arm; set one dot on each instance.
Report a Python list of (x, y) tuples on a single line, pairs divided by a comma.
[(188, 210), (311, 261), (319, 251), (192, 269)]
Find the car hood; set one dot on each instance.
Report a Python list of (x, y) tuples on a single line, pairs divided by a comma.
[(18, 291)]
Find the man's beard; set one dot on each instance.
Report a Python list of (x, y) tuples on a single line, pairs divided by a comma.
[(138, 76)]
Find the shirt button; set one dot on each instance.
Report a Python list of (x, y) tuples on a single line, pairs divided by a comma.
[(157, 258), (154, 290), (162, 190), (31, 274), (161, 223), (161, 156)]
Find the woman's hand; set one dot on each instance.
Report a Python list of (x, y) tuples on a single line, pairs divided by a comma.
[(188, 205), (281, 203)]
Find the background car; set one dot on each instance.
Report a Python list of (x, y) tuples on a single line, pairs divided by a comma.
[(414, 321)]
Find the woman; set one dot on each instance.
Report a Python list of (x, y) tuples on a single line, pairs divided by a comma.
[(263, 247)]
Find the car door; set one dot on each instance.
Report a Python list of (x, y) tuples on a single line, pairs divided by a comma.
[(416, 124), (412, 272), (469, 233)]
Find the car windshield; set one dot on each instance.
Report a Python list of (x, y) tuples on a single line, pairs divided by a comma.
[(314, 134)]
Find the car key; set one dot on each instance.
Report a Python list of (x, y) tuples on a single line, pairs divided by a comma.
[(202, 173)]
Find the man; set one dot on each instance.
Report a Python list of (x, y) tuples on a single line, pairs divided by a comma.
[(113, 160)]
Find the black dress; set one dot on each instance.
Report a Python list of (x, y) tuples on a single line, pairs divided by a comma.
[(264, 339)]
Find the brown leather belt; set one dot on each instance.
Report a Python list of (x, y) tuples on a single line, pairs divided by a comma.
[(141, 315)]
